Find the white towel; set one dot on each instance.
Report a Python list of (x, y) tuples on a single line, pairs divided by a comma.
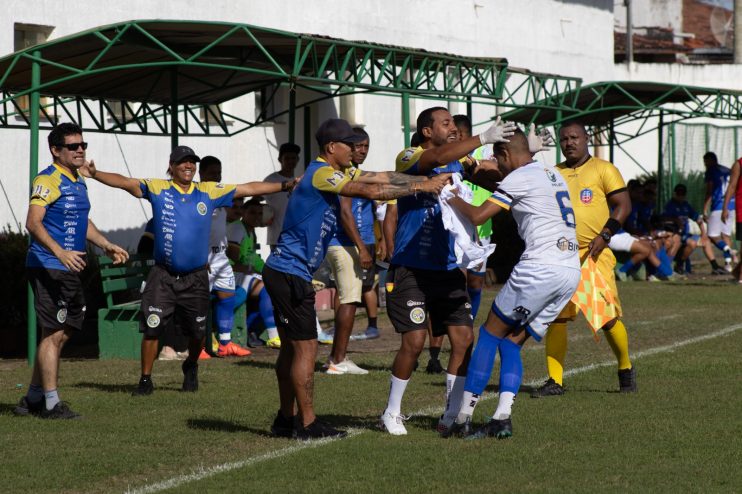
[(470, 254)]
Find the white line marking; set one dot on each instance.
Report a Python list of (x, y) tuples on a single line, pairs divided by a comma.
[(204, 472)]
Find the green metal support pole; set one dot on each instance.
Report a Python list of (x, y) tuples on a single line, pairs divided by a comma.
[(611, 138), (406, 118), (660, 159), (33, 169), (292, 114), (556, 136), (672, 157), (174, 109), (307, 136), (469, 109)]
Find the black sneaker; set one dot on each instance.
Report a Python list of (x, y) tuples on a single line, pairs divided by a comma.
[(254, 341), (190, 376), (549, 388), (500, 429), (455, 430), (282, 426), (434, 366), (719, 271), (25, 407), (627, 380), (318, 430), (60, 411), (144, 388)]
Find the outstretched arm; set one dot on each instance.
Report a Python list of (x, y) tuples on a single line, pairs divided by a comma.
[(382, 191), (130, 185), (478, 215), (264, 188)]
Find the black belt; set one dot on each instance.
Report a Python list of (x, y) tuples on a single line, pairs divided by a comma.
[(183, 273)]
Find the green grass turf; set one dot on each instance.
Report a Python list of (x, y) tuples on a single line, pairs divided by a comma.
[(681, 432)]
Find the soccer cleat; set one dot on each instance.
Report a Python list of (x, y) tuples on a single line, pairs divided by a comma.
[(318, 430), (190, 376), (144, 388), (718, 271), (500, 429), (232, 349), (274, 343), (325, 337), (371, 333), (254, 341), (627, 380), (60, 411), (204, 355), (25, 407), (549, 388), (282, 426), (434, 366), (347, 366), (454, 428), (393, 423)]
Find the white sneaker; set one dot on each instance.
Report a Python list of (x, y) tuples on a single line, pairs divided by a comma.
[(393, 424), (345, 367)]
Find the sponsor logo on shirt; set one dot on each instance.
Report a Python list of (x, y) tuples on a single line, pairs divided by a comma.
[(586, 196), (414, 303), (564, 244)]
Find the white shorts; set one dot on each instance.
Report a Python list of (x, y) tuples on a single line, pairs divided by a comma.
[(221, 276), (716, 227), (247, 281), (622, 242), (534, 295)]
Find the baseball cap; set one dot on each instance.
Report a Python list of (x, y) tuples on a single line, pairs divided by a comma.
[(681, 189), (337, 130), (181, 152)]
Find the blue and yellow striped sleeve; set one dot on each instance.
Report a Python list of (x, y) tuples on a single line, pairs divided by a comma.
[(220, 194), (152, 186), (45, 190), (407, 160), (502, 199)]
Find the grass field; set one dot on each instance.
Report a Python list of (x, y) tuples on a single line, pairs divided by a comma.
[(681, 433)]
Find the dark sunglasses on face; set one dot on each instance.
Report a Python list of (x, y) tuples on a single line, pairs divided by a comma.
[(75, 145)]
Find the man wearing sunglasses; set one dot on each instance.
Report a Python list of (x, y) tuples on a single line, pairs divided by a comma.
[(59, 226)]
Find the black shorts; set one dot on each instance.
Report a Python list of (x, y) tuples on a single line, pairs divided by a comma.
[(370, 273), (58, 298), (738, 231), (293, 303), (184, 296), (412, 294)]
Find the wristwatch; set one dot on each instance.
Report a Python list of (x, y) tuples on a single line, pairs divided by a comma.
[(605, 236)]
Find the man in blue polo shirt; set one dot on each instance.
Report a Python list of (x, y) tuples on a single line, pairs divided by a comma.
[(310, 223), (178, 284), (59, 226)]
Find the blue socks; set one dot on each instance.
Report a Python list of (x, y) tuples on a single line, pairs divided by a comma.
[(265, 307), (476, 298), (482, 361), (665, 267), (240, 297), (628, 266), (724, 248), (224, 318), (511, 367)]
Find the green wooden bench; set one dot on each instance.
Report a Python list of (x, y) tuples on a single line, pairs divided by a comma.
[(118, 322)]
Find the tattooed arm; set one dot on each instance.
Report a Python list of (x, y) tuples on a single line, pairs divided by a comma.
[(393, 178), (385, 191)]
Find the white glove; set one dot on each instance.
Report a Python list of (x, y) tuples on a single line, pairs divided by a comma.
[(537, 142), (499, 132)]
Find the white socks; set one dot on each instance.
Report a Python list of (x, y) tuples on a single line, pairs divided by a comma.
[(396, 392), (504, 405), (272, 332), (468, 402), (52, 398), (454, 394)]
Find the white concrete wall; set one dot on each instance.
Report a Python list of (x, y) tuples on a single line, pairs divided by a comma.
[(543, 35)]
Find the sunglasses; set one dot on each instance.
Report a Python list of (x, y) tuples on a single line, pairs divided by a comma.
[(74, 146)]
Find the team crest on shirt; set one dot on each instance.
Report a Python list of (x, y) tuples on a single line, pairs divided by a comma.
[(201, 208), (153, 320), (417, 315), (407, 154), (586, 196), (62, 315), (551, 175)]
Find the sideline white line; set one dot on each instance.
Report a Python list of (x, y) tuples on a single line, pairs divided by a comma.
[(203, 473)]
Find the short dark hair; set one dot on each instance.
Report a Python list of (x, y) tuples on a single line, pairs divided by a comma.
[(518, 141), (254, 201), (425, 119), (59, 132), (208, 162), (711, 156), (573, 122), (288, 147), (361, 132), (680, 189), (462, 121), (415, 140)]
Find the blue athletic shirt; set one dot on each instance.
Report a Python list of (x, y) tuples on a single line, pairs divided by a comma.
[(311, 219), (719, 177), (363, 212), (421, 241), (65, 197), (675, 209), (182, 220)]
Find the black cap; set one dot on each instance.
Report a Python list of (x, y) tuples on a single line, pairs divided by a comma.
[(681, 189), (182, 152), (337, 130)]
